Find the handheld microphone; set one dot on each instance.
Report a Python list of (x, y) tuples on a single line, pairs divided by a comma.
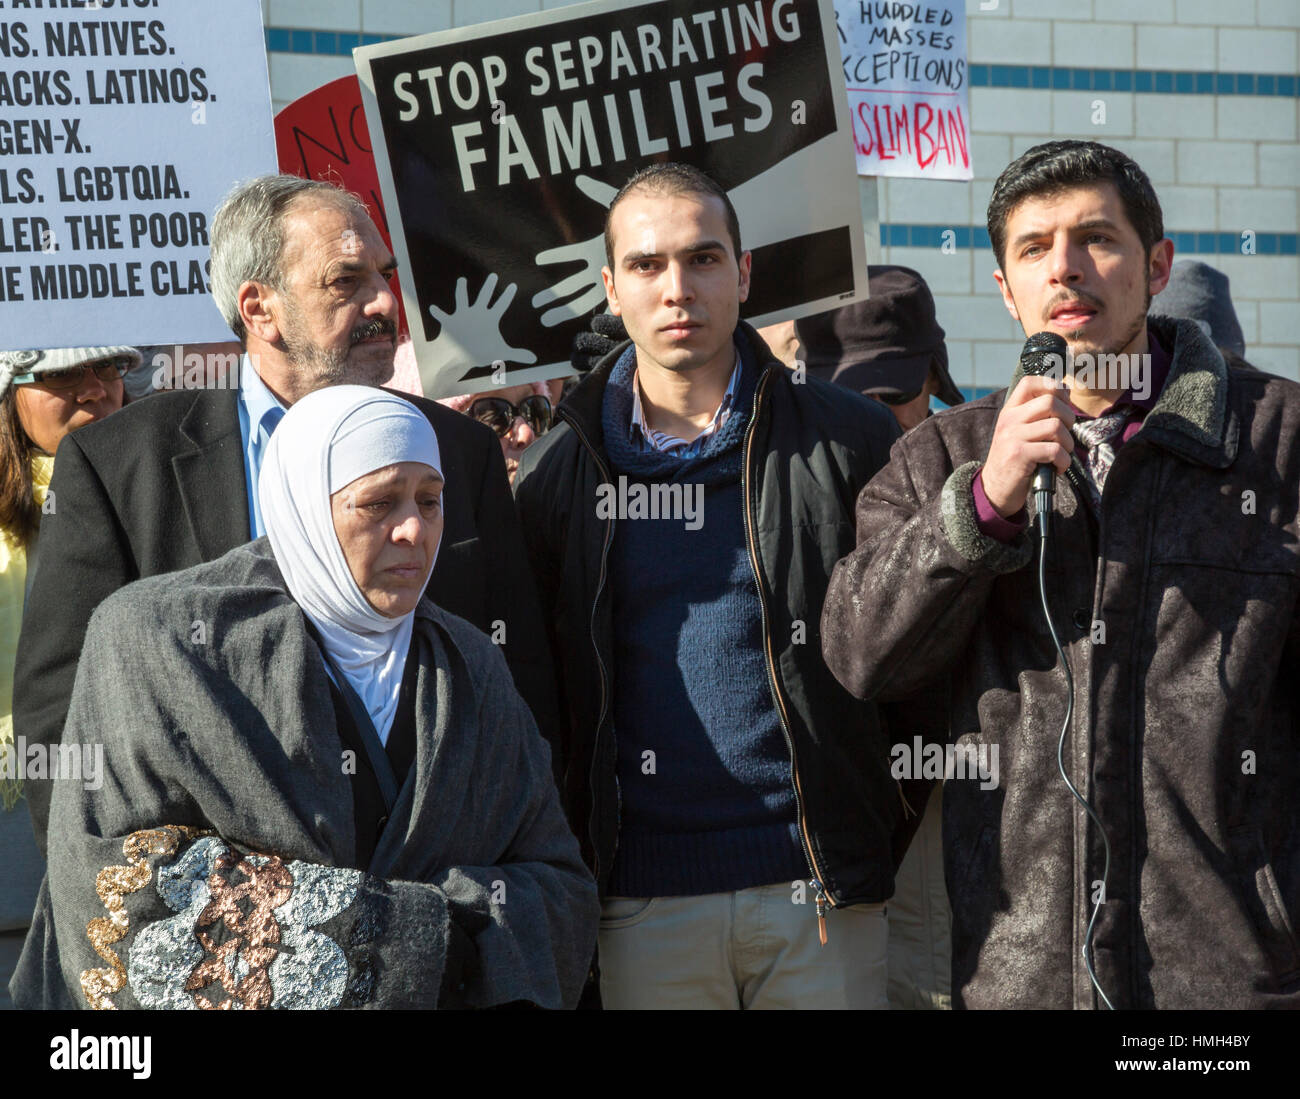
[(1043, 352)]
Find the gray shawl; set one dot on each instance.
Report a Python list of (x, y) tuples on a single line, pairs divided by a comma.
[(214, 863)]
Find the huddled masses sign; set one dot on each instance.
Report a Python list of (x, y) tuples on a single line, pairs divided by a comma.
[(122, 123), (906, 73), (500, 146)]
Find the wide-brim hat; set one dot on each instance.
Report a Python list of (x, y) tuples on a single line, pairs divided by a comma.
[(19, 364), (884, 345)]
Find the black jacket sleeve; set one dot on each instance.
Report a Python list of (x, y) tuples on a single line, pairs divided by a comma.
[(84, 557), (544, 568)]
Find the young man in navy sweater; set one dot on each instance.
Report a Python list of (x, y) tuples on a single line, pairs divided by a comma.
[(732, 799)]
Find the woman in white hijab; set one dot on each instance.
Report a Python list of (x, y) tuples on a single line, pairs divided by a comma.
[(322, 790), (351, 491)]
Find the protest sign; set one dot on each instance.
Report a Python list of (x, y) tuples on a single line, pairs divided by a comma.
[(499, 148), (323, 135), (121, 127), (906, 73)]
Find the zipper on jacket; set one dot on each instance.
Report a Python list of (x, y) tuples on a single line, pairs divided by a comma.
[(821, 910), (600, 664), (824, 898)]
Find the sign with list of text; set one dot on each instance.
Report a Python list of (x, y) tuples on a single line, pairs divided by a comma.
[(122, 125)]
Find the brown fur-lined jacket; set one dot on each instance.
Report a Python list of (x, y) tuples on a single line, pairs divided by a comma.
[(1178, 610)]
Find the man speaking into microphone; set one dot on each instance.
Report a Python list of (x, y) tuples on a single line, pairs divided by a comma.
[(1170, 570)]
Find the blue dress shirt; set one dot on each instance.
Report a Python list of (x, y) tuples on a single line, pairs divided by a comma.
[(259, 414)]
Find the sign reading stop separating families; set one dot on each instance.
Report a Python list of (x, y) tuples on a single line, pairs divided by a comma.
[(122, 124), (500, 147), (907, 77)]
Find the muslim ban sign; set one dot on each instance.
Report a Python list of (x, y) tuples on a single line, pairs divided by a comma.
[(499, 148), (121, 127), (906, 73)]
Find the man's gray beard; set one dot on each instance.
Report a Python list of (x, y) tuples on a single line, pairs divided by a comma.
[(321, 367)]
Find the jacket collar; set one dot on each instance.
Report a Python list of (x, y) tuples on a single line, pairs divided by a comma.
[(1194, 416), (582, 407)]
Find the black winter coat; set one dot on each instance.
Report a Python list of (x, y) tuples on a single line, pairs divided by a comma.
[(808, 450)]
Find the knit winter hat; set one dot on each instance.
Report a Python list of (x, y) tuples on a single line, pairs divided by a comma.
[(22, 364), (1198, 292)]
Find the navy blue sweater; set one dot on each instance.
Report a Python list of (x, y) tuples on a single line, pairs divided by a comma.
[(707, 798)]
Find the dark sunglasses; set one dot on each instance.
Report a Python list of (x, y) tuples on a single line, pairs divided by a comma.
[(106, 370), (499, 414)]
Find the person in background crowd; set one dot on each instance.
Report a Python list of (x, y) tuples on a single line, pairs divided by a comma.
[(1199, 292), (43, 396), (434, 871), (519, 414), (783, 340), (302, 276), (888, 346), (1171, 573), (406, 370), (710, 762), (891, 347)]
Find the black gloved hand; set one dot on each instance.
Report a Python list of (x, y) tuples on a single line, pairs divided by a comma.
[(589, 347)]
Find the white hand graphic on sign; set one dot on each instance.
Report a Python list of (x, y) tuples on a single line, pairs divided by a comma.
[(471, 334), (771, 207), (588, 280)]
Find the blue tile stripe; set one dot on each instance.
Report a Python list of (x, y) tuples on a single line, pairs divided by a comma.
[(896, 235), (1159, 81), (327, 43), (338, 44)]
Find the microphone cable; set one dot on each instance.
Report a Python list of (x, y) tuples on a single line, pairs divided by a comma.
[(1043, 502)]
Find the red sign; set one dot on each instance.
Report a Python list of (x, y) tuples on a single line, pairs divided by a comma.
[(323, 135)]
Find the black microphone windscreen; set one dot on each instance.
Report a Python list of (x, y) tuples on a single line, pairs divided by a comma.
[(1044, 353)]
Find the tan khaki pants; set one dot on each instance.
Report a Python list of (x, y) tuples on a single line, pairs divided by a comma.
[(756, 948)]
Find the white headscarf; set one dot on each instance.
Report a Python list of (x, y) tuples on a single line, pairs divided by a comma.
[(326, 441)]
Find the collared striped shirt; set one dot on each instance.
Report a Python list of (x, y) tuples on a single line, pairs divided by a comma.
[(648, 439)]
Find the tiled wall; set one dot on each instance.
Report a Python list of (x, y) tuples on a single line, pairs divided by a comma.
[(1204, 94)]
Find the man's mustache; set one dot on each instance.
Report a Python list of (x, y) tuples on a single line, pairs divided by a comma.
[(1072, 298), (371, 329)]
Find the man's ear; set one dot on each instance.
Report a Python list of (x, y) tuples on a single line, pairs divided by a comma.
[(257, 305), (1007, 299), (1160, 264), (611, 295), (745, 263)]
